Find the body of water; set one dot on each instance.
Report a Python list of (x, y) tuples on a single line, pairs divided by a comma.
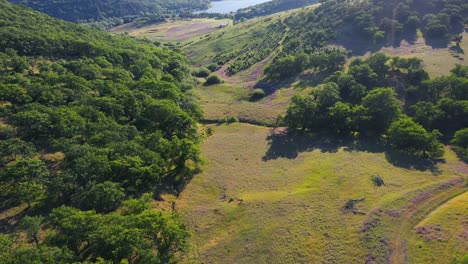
[(228, 6)]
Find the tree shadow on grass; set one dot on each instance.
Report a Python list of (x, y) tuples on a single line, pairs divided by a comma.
[(438, 43), (404, 160), (289, 145), (304, 80)]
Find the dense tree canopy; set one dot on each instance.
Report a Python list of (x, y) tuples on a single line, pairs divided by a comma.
[(352, 101), (111, 12), (88, 121)]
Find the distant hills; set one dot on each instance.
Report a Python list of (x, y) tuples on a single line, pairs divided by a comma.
[(112, 10)]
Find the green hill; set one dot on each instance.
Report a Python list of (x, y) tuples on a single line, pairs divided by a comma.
[(89, 123)]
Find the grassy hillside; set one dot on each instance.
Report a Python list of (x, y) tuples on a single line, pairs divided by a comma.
[(358, 26), (444, 231), (263, 197)]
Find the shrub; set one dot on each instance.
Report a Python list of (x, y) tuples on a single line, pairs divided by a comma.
[(378, 181), (257, 94), (213, 67), (202, 72), (228, 120), (213, 79)]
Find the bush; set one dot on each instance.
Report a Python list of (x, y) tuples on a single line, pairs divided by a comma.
[(213, 79), (460, 140), (228, 120), (213, 67), (257, 94), (202, 72)]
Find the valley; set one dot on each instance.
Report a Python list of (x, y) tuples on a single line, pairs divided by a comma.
[(336, 132), (265, 196)]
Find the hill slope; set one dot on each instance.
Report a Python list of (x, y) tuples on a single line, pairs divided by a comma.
[(89, 122), (126, 10), (358, 26)]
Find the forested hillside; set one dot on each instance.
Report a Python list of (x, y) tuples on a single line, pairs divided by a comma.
[(113, 11), (89, 123)]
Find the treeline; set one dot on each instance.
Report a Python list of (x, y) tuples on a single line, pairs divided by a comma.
[(389, 96), (106, 13), (88, 123), (326, 59)]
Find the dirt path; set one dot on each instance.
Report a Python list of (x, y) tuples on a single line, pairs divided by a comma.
[(416, 212)]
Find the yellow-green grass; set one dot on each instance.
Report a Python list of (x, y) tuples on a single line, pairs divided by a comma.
[(442, 235), (437, 61), (178, 30), (231, 100), (201, 52), (286, 203)]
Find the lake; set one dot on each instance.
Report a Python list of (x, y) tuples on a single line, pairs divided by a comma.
[(228, 6)]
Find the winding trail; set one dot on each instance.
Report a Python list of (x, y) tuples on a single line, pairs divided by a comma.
[(416, 212)]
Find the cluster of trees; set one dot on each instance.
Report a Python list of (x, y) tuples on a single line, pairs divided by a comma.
[(88, 121), (390, 96), (135, 234), (383, 20), (113, 12), (327, 59)]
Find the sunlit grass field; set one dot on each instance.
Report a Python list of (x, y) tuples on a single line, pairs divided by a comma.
[(260, 200)]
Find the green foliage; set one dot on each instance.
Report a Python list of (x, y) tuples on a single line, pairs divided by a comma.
[(349, 23), (263, 42), (409, 136), (111, 11), (460, 140), (462, 260), (138, 233), (102, 197), (324, 59), (381, 109), (257, 94), (213, 79), (349, 102), (286, 67), (32, 225), (202, 72), (113, 117)]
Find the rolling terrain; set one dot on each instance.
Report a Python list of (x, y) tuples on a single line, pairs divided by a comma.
[(231, 182), (264, 196)]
